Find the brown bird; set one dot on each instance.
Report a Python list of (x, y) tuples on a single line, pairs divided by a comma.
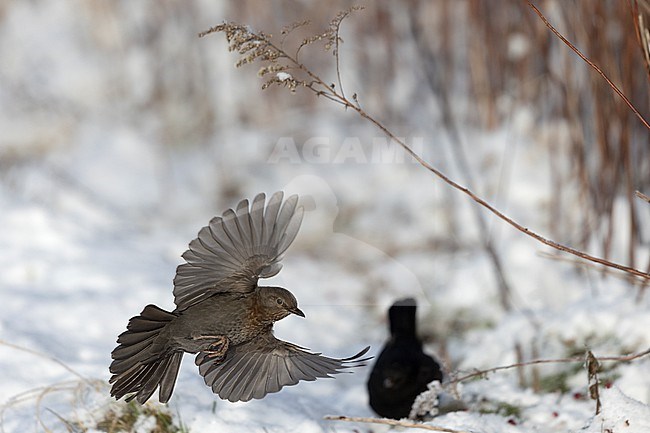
[(224, 315)]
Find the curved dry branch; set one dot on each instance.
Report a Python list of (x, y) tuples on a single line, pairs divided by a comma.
[(240, 37), (620, 358)]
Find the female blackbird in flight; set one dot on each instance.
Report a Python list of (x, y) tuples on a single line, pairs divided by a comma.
[(224, 315)]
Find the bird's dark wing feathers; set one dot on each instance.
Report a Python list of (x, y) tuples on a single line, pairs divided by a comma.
[(236, 249), (266, 364)]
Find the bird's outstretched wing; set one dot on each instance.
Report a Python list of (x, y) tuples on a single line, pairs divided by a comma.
[(236, 249), (266, 364)]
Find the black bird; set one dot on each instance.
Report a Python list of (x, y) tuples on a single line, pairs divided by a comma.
[(224, 315), (402, 370)]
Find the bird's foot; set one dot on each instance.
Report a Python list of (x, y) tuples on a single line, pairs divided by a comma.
[(217, 349)]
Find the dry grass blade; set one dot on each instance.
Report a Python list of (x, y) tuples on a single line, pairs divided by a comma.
[(37, 395)]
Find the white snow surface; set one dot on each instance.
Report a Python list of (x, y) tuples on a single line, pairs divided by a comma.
[(620, 413), (283, 76), (97, 204)]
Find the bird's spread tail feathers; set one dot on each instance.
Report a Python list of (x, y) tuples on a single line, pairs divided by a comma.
[(139, 366)]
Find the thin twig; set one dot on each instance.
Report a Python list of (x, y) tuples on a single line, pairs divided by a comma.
[(38, 394), (624, 358), (593, 366), (337, 55), (393, 422), (587, 265), (485, 204), (457, 146), (642, 196), (590, 63), (331, 93)]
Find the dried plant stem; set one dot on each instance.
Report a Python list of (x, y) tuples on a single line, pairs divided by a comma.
[(642, 196), (272, 53), (495, 211), (337, 44), (639, 18), (393, 422), (593, 366), (590, 63), (479, 373)]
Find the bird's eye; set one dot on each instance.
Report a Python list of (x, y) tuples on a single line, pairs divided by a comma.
[(279, 301)]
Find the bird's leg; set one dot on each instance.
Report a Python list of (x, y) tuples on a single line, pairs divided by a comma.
[(217, 348)]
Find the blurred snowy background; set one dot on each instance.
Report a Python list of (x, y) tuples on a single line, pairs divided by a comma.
[(122, 133)]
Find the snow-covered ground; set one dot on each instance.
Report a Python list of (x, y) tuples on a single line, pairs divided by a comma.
[(100, 194)]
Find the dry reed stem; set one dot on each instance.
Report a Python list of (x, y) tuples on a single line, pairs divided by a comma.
[(640, 19), (642, 196), (590, 63)]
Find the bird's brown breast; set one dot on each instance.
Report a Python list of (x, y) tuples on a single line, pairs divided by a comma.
[(257, 319), (237, 317)]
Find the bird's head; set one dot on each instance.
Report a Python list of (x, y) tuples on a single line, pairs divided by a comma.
[(277, 303)]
